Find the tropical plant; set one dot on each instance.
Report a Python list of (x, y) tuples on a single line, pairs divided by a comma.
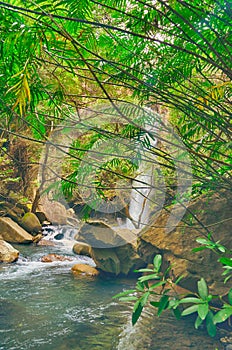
[(159, 289)]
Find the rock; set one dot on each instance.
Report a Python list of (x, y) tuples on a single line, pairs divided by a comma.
[(11, 232), (46, 243), (119, 260), (31, 223), (83, 269), (55, 257), (8, 253), (81, 248), (113, 251), (59, 236), (41, 217), (55, 212), (37, 238), (176, 247), (99, 235)]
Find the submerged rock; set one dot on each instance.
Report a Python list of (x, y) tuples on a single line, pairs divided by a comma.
[(55, 257), (11, 232), (31, 223), (8, 253), (83, 269)]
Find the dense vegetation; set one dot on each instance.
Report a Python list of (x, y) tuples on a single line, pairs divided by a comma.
[(63, 61)]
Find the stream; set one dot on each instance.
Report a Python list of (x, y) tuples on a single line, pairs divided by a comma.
[(45, 307)]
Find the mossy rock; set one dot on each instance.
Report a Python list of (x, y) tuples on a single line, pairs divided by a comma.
[(31, 223)]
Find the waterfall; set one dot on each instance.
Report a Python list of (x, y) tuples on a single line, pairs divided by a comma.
[(143, 184)]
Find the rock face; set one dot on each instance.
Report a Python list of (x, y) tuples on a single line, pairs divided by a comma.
[(81, 248), (11, 232), (176, 247), (82, 269), (8, 253), (31, 223)]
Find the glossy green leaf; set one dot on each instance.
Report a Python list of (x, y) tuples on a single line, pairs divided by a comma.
[(158, 284), (230, 296), (190, 310), (154, 303), (137, 310), (149, 277), (191, 300), (203, 310), (122, 294), (198, 322), (211, 328), (163, 303), (202, 289), (222, 315), (157, 262)]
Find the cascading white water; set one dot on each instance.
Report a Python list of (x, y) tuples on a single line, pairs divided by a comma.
[(142, 186)]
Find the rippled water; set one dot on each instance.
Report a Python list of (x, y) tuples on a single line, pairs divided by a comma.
[(43, 306)]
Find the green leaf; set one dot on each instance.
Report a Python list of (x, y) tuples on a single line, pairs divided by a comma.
[(179, 279), (198, 322), (202, 241), (154, 303), (202, 289), (191, 300), (162, 304), (157, 262), (158, 284), (177, 313), (222, 315), (230, 296), (194, 250), (129, 298), (122, 294), (203, 310), (211, 328), (149, 277), (225, 261), (190, 310), (144, 298), (140, 286), (137, 310), (144, 270)]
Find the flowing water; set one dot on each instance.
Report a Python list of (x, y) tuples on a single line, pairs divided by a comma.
[(44, 307)]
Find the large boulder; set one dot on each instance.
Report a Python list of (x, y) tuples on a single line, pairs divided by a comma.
[(11, 232), (56, 213), (119, 260), (114, 251), (204, 215), (98, 234), (31, 223), (8, 253)]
